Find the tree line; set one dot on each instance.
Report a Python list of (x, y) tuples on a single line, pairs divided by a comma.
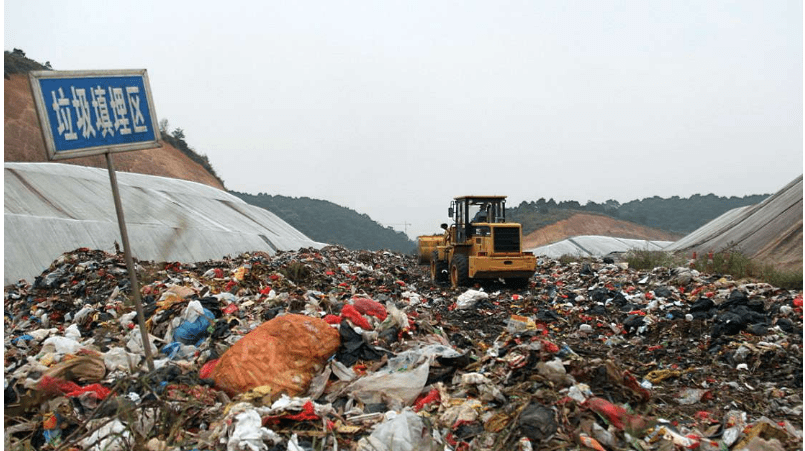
[(327, 222), (675, 214), (176, 139)]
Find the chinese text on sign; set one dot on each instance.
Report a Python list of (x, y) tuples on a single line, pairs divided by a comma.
[(86, 113)]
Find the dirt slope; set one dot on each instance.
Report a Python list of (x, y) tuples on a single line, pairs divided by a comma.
[(590, 224), (23, 143)]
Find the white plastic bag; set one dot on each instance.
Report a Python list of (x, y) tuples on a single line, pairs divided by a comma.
[(469, 298), (112, 436), (249, 433), (117, 359), (72, 332), (402, 379), (60, 345), (395, 317), (413, 298), (41, 334), (127, 318), (134, 343), (403, 432)]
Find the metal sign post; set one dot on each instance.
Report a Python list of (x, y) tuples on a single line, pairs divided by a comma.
[(85, 113), (135, 287)]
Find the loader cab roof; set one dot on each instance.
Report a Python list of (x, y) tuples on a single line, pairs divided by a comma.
[(480, 198)]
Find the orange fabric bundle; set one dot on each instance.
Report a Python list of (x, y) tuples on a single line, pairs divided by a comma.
[(283, 353)]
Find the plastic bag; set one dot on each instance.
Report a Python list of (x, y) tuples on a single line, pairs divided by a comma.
[(191, 326), (249, 433), (413, 298), (537, 422), (402, 379), (351, 313), (517, 324), (118, 359), (396, 317), (112, 436), (403, 432), (554, 371), (179, 351), (688, 396), (617, 416), (61, 345), (283, 353), (469, 298), (72, 332), (367, 306), (134, 343)]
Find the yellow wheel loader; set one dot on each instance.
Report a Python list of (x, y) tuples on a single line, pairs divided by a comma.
[(479, 245)]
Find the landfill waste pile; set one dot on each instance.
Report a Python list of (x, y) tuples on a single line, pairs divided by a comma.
[(332, 349)]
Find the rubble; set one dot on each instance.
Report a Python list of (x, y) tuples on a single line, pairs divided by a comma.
[(588, 355)]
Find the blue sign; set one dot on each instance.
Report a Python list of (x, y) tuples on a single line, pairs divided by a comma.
[(87, 113)]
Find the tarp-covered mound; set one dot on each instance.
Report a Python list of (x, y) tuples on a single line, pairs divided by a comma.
[(596, 246), (52, 207), (770, 231)]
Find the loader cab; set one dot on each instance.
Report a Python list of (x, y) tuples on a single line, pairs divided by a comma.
[(472, 215)]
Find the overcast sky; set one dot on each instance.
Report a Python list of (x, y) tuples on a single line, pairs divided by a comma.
[(392, 108)]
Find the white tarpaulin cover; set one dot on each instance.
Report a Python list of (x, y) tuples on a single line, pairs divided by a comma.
[(770, 230), (596, 246), (52, 208)]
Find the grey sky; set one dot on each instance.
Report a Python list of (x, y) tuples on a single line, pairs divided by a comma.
[(393, 108)]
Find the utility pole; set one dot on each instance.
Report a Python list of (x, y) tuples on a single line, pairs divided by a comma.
[(405, 226)]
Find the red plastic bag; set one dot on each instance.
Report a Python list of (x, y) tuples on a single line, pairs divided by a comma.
[(308, 413), (616, 415), (423, 400), (369, 307), (283, 353), (70, 389), (351, 313), (206, 371)]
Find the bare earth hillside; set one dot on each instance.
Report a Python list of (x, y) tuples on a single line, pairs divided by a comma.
[(23, 143), (588, 224)]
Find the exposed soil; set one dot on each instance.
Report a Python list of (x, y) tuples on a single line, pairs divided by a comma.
[(23, 143), (589, 224)]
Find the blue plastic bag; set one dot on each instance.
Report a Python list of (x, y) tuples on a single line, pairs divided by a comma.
[(194, 333)]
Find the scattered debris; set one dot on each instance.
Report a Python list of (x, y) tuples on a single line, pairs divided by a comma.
[(335, 349)]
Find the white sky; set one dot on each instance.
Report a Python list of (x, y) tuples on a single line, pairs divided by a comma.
[(392, 108)]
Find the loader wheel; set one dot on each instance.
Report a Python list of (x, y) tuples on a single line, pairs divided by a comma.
[(437, 268), (459, 271)]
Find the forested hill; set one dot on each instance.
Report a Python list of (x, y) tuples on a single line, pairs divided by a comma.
[(680, 215), (327, 222)]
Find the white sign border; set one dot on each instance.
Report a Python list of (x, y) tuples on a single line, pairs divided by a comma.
[(44, 120)]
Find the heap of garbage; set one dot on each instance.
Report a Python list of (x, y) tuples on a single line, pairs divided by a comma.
[(333, 349)]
